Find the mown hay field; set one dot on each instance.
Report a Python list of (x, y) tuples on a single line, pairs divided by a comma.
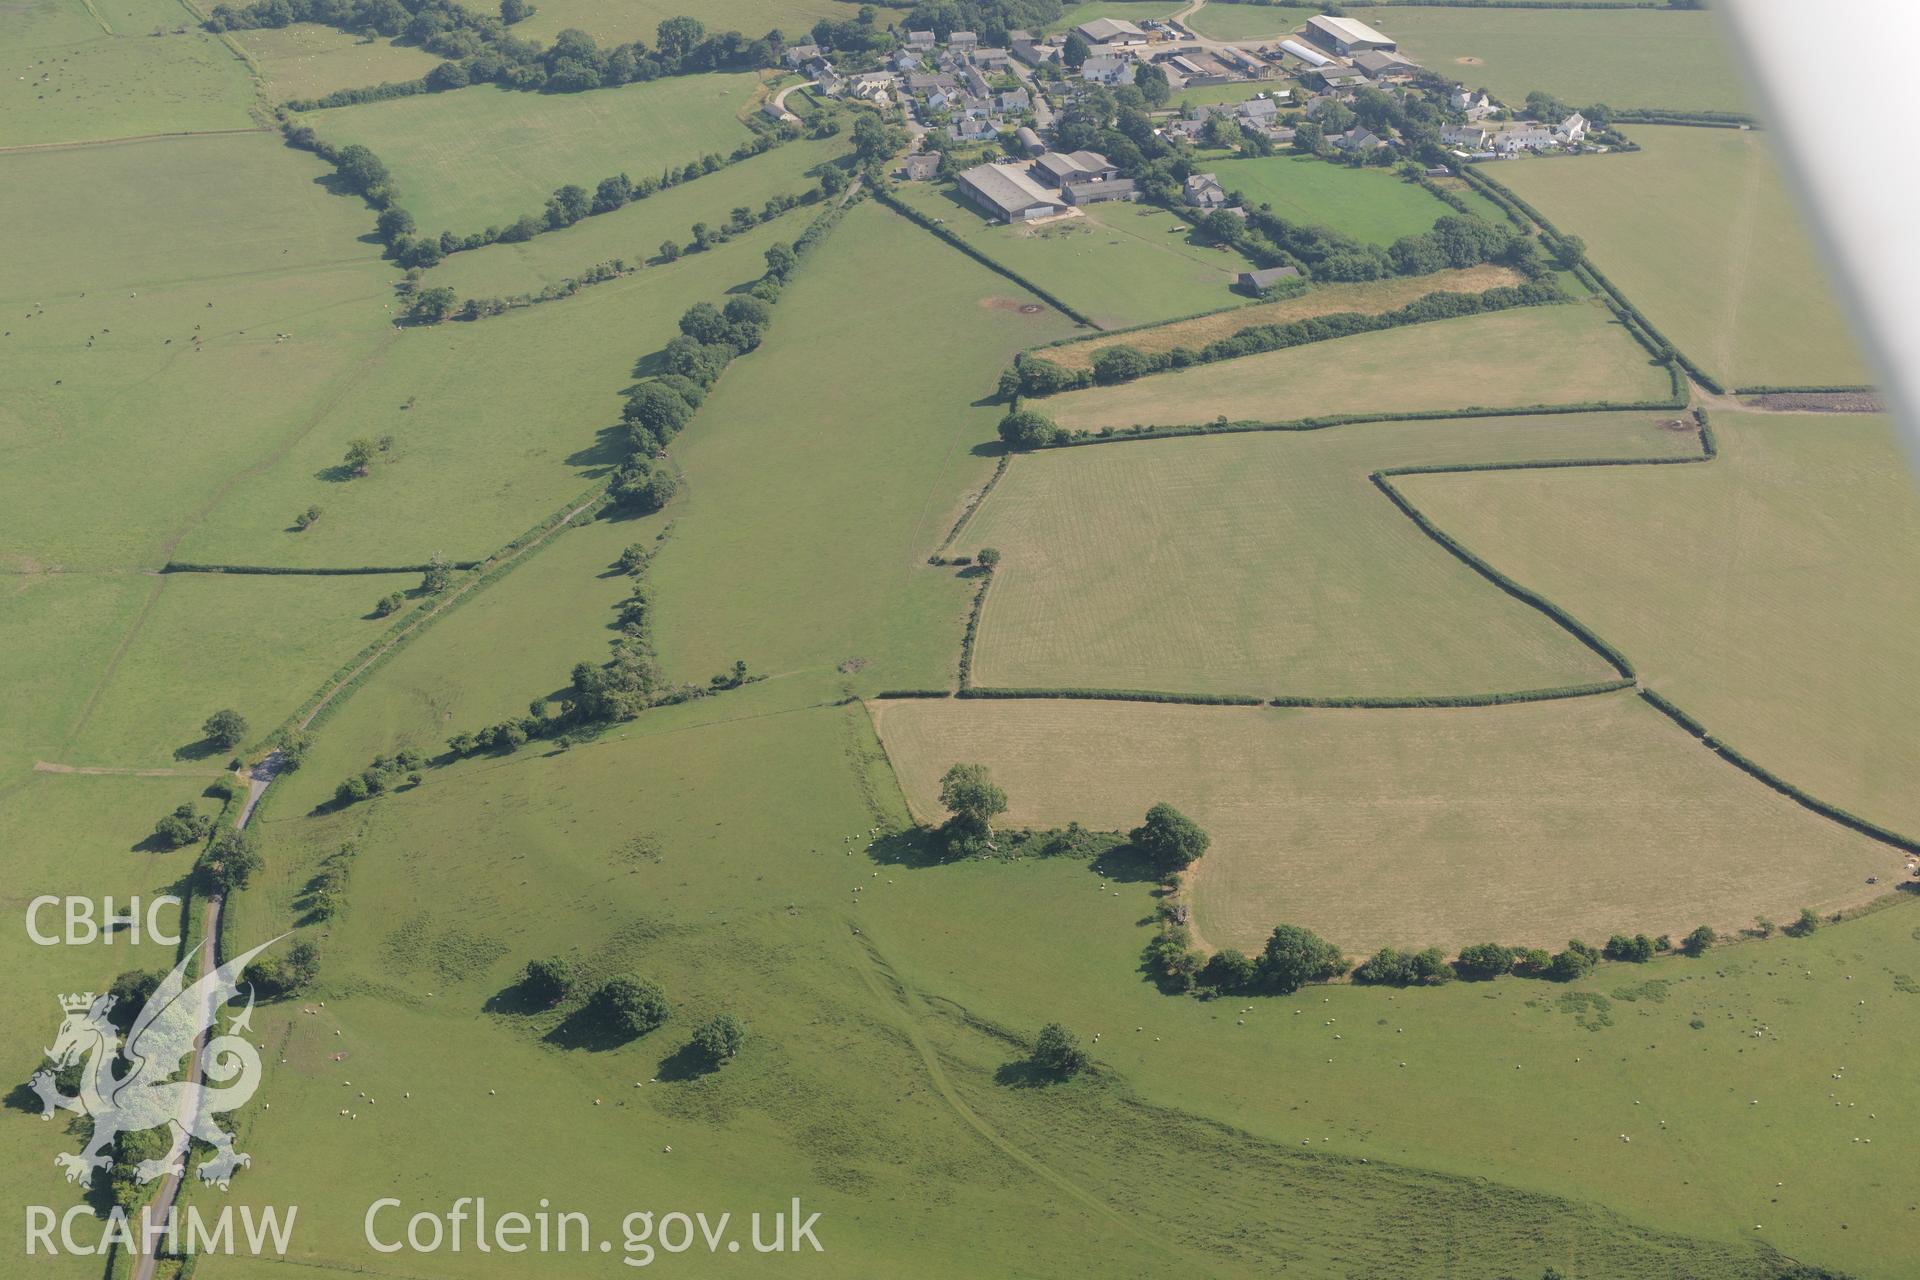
[(1700, 233), (307, 60), (483, 156), (1368, 298), (1268, 564), (1631, 58), (1248, 21), (80, 72), (1367, 204), (634, 233), (1771, 594), (1121, 264), (1526, 824), (1531, 355)]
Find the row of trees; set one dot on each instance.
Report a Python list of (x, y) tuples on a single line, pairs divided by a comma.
[(479, 48), (631, 1006)]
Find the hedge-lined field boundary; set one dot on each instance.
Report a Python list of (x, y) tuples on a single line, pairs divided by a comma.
[(939, 556), (925, 223), (187, 566), (1698, 119), (1846, 818), (1770, 390), (1263, 339), (1660, 345), (1117, 435)]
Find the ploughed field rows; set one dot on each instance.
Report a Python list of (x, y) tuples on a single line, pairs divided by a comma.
[(1526, 824), (1544, 355), (1268, 564)]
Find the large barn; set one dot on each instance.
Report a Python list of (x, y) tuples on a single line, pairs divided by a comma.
[(1347, 35)]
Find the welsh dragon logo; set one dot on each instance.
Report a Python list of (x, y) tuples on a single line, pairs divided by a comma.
[(145, 1095)]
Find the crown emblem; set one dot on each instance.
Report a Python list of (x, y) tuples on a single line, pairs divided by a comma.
[(77, 1003)]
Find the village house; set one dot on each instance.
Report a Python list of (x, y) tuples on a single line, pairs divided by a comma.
[(1033, 53), (1524, 138), (1571, 130), (799, 55), (1468, 137), (920, 39), (1107, 71), (906, 62), (963, 40), (1006, 192), (1357, 139), (921, 166), (1475, 106), (1013, 100), (1203, 191)]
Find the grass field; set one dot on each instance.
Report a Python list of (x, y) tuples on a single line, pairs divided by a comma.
[(1532, 355), (1368, 204), (483, 156), (1633, 58), (143, 370), (1267, 564), (1700, 233), (1528, 824), (76, 835), (1770, 593), (118, 68), (1248, 21), (495, 425), (635, 232), (1429, 1077), (1370, 298), (712, 857), (1120, 263), (1134, 11), (822, 472), (612, 22), (307, 60)]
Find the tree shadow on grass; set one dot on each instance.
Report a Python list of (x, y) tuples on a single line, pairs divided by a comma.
[(608, 450), (204, 749), (914, 848), (518, 1000), (585, 1028), (338, 473), (1124, 864), (684, 1063), (1022, 1074)]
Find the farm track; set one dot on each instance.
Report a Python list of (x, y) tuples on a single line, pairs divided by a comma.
[(902, 1008), (136, 137)]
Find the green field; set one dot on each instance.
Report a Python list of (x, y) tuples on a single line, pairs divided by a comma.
[(1532, 822), (1769, 593), (197, 326), (635, 232), (1248, 21), (1700, 233), (1134, 11), (1268, 564), (477, 157), (1632, 58), (496, 424), (1533, 355), (144, 369), (826, 440), (306, 60), (1121, 264), (612, 22), (1368, 204), (82, 72)]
